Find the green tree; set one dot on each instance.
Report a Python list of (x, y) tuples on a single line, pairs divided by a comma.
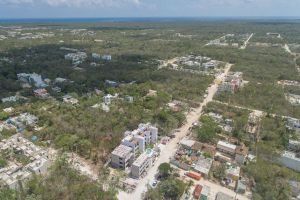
[(165, 170)]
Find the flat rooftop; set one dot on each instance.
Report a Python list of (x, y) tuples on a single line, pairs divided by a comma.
[(122, 151), (141, 160)]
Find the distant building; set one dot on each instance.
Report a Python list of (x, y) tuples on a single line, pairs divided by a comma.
[(122, 157), (106, 57), (111, 83), (33, 78), (41, 93), (77, 57), (129, 99), (293, 124), (70, 99), (291, 160), (9, 99), (294, 145), (108, 98)]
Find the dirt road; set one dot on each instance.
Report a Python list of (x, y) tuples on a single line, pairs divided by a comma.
[(247, 41), (171, 147)]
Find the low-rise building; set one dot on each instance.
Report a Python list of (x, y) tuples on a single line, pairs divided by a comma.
[(291, 160), (70, 99), (223, 196), (226, 147), (11, 175), (33, 78), (203, 165), (129, 99), (108, 98), (41, 93), (233, 172), (9, 99), (122, 157), (77, 57), (294, 145), (186, 143), (241, 153)]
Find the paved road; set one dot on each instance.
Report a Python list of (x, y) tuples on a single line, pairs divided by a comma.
[(170, 148)]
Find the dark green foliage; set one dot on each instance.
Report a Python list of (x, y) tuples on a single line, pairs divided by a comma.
[(165, 170), (208, 131)]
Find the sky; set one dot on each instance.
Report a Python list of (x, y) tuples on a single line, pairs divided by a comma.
[(146, 8)]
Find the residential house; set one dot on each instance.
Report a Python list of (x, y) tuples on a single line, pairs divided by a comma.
[(10, 99), (108, 98), (241, 153), (294, 145), (70, 99), (226, 147), (41, 93), (203, 165), (128, 99), (233, 172), (33, 78), (111, 83)]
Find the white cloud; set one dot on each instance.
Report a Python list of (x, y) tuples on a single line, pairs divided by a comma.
[(72, 3)]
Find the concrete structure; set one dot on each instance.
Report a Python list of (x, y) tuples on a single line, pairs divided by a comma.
[(9, 99), (233, 172), (139, 138), (129, 99), (223, 196), (226, 147), (33, 78), (291, 160), (76, 58), (240, 187), (293, 124), (108, 98), (122, 157), (295, 188), (294, 145), (241, 153), (111, 83), (41, 93), (141, 165), (186, 143), (106, 57), (70, 99), (203, 166)]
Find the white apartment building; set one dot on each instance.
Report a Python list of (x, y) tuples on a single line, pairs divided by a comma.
[(139, 138)]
